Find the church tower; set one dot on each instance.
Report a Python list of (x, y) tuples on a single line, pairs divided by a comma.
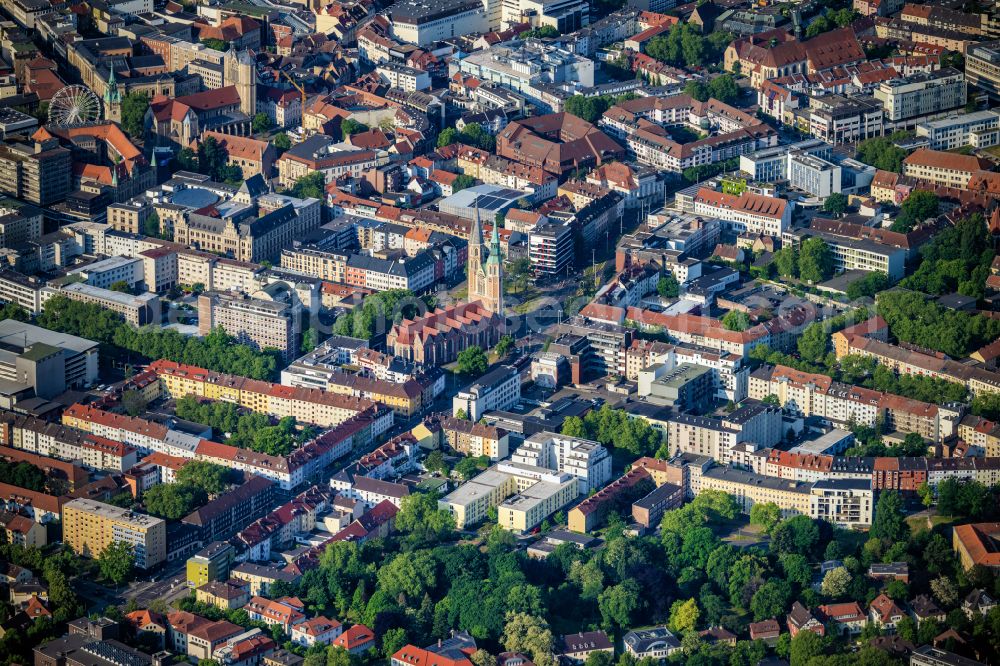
[(485, 277), (493, 287), (240, 71), (112, 99)]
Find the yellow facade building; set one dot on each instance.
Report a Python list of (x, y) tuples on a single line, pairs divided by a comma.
[(89, 527)]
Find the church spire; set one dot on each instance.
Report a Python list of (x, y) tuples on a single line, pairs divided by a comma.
[(494, 257), (476, 234)]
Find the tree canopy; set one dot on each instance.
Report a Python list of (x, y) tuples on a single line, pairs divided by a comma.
[(217, 351), (612, 427)]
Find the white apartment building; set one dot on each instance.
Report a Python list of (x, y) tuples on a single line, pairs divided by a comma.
[(586, 460), (771, 164), (524, 495), (25, 290), (979, 130), (908, 99), (528, 64), (137, 310), (498, 389), (107, 272), (747, 212), (855, 253), (423, 23), (845, 502), (838, 119), (403, 77), (729, 374), (755, 423), (253, 321)]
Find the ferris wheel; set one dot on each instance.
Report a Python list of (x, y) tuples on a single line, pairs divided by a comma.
[(74, 105)]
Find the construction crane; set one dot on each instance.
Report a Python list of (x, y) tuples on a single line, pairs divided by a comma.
[(301, 90)]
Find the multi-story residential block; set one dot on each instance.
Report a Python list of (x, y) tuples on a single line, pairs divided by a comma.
[(591, 512), (222, 595), (24, 290), (138, 310), (262, 324), (980, 129), (322, 408), (909, 99), (38, 173), (747, 488), (523, 494), (19, 222), (34, 435), (818, 395), (729, 374), (839, 119), (944, 168), (684, 386), (753, 422), (981, 433), (222, 516), (107, 272), (403, 77), (849, 251), (474, 439), (276, 531), (550, 246), (845, 502), (644, 125), (745, 213), (416, 273), (906, 361), (211, 563), (982, 67), (89, 527), (260, 577), (498, 389), (587, 461)]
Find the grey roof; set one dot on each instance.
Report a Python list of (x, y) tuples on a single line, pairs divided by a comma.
[(402, 266), (654, 638), (20, 334)]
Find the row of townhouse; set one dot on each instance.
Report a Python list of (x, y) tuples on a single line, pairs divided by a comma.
[(52, 440), (809, 394), (883, 473), (911, 362), (708, 332), (644, 125), (277, 529), (305, 405), (287, 471), (845, 502)]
